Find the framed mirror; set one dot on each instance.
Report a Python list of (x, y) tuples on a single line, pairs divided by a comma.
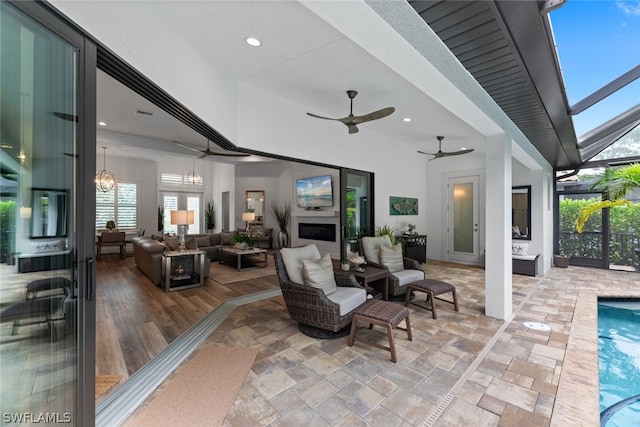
[(255, 204), (521, 212), (48, 213)]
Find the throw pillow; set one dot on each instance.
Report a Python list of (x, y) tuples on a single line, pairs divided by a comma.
[(225, 238), (319, 274), (520, 248), (371, 247), (292, 259), (392, 258), (191, 244), (172, 242)]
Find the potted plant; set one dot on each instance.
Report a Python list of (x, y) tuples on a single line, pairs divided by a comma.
[(561, 260), (160, 218), (385, 230), (210, 215), (241, 241), (110, 225), (282, 214)]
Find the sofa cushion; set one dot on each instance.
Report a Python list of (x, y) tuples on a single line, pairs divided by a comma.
[(203, 242), (156, 237), (292, 259), (408, 276), (215, 239), (392, 257), (371, 247), (348, 299), (520, 248), (319, 274)]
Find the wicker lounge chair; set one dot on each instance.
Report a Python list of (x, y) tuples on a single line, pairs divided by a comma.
[(396, 281), (316, 314)]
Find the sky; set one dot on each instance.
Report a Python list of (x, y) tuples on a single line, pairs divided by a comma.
[(597, 41)]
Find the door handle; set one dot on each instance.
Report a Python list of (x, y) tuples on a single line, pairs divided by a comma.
[(90, 279)]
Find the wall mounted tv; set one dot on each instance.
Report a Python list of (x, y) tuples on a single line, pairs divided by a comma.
[(314, 192)]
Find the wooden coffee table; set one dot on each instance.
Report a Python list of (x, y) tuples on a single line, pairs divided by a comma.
[(244, 258), (372, 274)]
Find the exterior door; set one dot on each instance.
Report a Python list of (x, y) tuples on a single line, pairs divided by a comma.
[(47, 205), (463, 220), (357, 215)]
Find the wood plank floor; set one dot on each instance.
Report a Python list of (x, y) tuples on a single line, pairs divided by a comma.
[(135, 319)]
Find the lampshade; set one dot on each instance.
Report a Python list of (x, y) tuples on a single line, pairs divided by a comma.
[(182, 217), (248, 216), (105, 180)]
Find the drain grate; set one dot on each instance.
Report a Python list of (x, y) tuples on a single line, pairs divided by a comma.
[(537, 326)]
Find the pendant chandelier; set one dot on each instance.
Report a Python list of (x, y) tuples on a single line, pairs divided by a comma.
[(105, 180), (193, 178)]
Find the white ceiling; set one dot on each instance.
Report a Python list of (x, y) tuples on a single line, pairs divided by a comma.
[(303, 59)]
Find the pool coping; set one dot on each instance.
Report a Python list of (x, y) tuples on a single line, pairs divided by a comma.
[(578, 396)]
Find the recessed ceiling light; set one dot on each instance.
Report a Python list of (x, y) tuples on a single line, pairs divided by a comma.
[(252, 41), (102, 123), (406, 119)]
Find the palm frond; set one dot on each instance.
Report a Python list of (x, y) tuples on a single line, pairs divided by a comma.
[(585, 213), (616, 182)]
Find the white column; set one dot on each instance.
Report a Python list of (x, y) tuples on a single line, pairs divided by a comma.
[(498, 298)]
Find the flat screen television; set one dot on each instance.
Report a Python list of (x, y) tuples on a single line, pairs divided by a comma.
[(314, 192)]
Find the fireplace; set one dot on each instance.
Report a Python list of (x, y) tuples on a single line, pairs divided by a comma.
[(326, 232)]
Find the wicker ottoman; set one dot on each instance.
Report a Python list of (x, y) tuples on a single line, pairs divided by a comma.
[(432, 288), (383, 313)]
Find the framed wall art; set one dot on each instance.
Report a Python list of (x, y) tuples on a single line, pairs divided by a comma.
[(403, 205)]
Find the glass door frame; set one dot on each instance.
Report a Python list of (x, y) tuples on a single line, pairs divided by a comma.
[(368, 178), (83, 208)]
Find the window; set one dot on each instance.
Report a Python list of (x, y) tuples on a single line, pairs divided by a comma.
[(119, 205), (189, 201)]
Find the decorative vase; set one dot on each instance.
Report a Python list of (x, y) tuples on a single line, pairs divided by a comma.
[(561, 261), (345, 266), (283, 239), (241, 245), (180, 270)]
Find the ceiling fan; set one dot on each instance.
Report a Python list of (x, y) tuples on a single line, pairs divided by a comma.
[(351, 121), (441, 153), (208, 152)]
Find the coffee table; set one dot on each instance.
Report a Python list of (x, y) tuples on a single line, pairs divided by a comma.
[(244, 258)]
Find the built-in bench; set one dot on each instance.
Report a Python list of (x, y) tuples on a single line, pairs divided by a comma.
[(44, 261), (525, 264)]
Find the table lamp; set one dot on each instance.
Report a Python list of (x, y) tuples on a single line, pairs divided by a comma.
[(182, 219), (248, 217)]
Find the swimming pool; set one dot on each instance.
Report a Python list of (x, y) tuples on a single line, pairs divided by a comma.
[(619, 361)]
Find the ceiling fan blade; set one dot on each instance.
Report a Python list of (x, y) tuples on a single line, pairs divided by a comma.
[(384, 112), (187, 146), (430, 154), (66, 116), (325, 118), (208, 152), (457, 153)]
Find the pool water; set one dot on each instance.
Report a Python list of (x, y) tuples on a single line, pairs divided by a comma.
[(619, 358)]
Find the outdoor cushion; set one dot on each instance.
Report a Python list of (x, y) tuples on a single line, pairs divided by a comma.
[(371, 247), (408, 276), (348, 298), (319, 274), (292, 259), (392, 257), (520, 248)]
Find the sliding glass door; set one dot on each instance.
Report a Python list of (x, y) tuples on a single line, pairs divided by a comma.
[(46, 242)]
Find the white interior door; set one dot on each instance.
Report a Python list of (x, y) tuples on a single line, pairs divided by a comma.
[(463, 220)]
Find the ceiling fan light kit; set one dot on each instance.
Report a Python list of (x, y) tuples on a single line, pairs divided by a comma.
[(441, 153), (351, 121)]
